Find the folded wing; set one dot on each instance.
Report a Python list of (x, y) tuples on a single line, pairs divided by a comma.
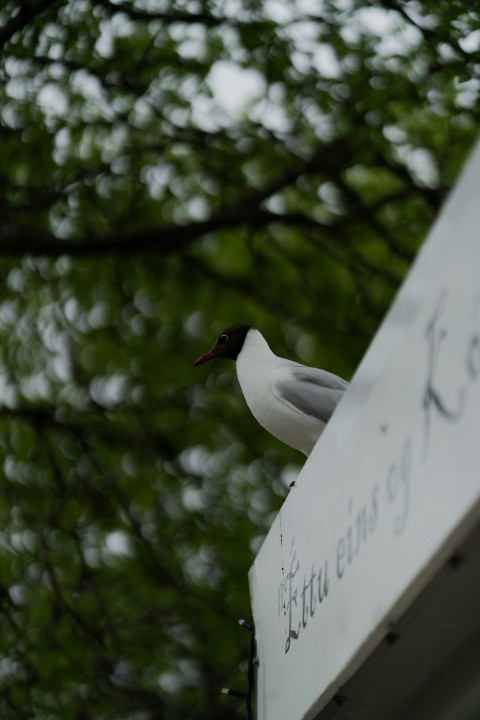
[(311, 391)]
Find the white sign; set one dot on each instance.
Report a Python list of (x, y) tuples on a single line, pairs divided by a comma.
[(390, 488)]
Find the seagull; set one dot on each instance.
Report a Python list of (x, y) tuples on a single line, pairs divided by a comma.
[(292, 401)]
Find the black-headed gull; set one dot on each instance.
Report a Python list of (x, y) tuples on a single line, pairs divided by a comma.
[(292, 401)]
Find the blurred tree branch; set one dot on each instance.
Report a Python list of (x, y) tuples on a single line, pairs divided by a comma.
[(28, 12)]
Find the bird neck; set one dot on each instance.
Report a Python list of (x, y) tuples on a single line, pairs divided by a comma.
[(255, 350)]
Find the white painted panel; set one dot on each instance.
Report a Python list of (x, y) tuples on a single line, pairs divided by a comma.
[(389, 488)]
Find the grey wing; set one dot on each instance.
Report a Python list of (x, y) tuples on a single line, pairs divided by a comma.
[(312, 391)]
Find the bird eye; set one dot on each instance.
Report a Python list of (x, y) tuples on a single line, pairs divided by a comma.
[(222, 339)]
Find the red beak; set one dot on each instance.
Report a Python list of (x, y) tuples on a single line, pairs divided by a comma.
[(208, 356)]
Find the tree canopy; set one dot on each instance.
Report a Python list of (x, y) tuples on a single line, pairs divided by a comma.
[(167, 168)]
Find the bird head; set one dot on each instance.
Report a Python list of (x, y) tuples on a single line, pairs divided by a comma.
[(228, 344)]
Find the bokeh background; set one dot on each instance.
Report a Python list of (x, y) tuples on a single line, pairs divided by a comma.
[(167, 168)]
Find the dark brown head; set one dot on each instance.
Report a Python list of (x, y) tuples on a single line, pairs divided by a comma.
[(228, 344)]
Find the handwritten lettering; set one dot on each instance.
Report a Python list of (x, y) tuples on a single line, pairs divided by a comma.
[(473, 348), (292, 598), (436, 333), (398, 486), (361, 525), (314, 591)]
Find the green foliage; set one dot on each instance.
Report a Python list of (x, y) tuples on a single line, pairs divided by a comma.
[(168, 169)]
